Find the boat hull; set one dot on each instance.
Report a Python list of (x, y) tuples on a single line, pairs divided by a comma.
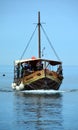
[(44, 83), (43, 79)]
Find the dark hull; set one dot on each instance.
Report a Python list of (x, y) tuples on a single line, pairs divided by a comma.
[(44, 84)]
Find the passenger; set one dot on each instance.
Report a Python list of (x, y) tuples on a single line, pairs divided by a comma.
[(59, 70), (22, 70), (39, 66), (27, 66), (18, 71)]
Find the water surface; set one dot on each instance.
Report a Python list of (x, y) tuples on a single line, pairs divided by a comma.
[(39, 110)]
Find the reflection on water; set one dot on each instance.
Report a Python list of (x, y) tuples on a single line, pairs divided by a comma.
[(38, 111)]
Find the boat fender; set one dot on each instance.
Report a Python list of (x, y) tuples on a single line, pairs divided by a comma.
[(13, 85), (21, 86), (17, 88)]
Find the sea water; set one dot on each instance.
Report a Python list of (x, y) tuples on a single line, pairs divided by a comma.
[(39, 110)]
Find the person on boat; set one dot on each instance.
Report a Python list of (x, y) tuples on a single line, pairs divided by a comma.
[(18, 71), (22, 70), (27, 66), (59, 70), (39, 65)]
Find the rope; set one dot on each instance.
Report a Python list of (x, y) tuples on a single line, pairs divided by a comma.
[(28, 43), (50, 43), (47, 40)]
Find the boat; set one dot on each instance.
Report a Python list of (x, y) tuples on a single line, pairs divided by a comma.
[(37, 73)]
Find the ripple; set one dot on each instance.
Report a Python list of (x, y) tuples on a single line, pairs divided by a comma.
[(5, 90)]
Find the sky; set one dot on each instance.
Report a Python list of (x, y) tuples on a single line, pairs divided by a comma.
[(18, 20)]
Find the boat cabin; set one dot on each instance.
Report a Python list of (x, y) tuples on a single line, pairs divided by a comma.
[(26, 67)]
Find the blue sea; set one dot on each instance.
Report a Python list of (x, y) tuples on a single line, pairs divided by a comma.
[(39, 110)]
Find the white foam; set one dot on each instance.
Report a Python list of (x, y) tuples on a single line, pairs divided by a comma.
[(43, 91)]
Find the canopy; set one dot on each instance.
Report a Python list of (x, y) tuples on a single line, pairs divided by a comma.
[(34, 61)]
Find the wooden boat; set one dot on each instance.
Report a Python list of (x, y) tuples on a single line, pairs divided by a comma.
[(37, 73)]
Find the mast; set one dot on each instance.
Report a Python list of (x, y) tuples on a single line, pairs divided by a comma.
[(39, 38)]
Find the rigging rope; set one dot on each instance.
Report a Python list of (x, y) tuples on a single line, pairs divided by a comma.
[(28, 42), (50, 43), (47, 40)]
